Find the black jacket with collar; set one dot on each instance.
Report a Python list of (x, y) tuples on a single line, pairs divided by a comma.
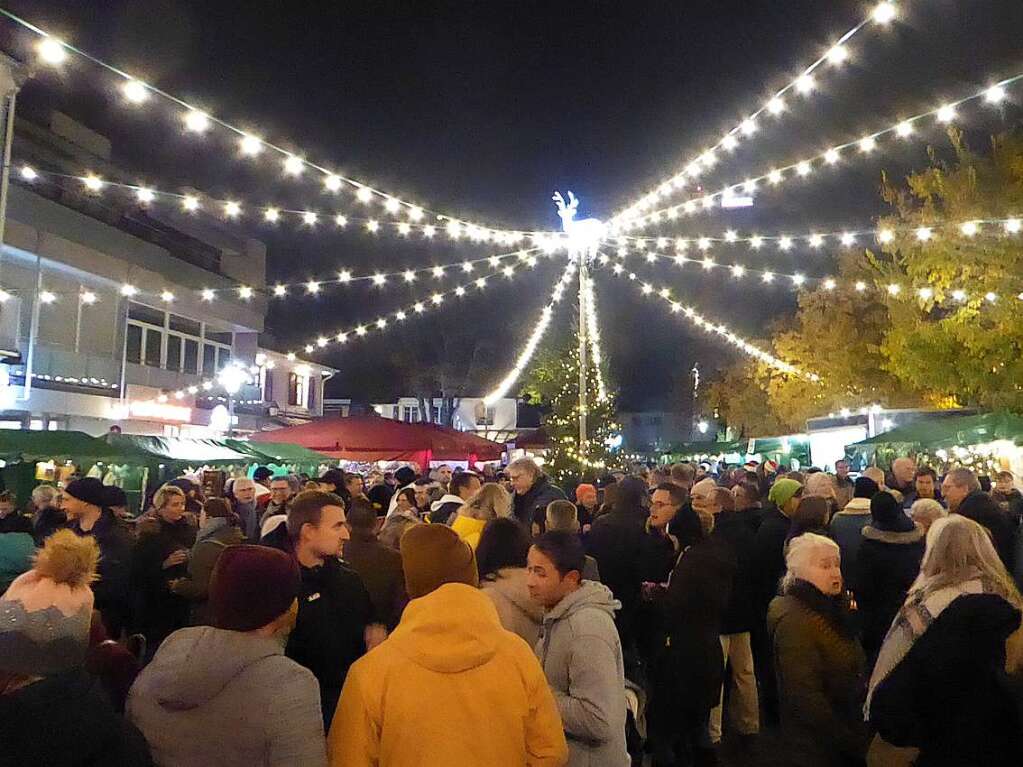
[(329, 636), (886, 566), (536, 498)]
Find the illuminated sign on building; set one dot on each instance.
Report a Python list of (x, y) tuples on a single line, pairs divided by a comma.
[(149, 410)]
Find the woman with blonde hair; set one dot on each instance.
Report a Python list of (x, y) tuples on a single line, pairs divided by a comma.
[(939, 684), (490, 502)]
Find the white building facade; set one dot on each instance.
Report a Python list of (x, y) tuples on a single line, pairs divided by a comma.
[(497, 422), (103, 320)]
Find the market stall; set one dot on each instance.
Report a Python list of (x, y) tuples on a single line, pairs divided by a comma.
[(985, 443)]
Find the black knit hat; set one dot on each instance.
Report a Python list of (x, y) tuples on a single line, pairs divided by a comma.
[(89, 490), (865, 487), (887, 514)]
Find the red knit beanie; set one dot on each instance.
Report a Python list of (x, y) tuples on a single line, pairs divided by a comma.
[(251, 586)]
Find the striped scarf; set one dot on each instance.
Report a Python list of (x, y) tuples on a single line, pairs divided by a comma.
[(915, 617)]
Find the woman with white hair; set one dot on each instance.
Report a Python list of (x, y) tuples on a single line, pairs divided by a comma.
[(939, 684), (818, 661), (926, 511)]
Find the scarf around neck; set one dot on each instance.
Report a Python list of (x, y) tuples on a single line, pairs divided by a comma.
[(917, 615), (837, 611)]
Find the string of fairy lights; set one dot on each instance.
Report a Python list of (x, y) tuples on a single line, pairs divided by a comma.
[(435, 300), (816, 240), (236, 209), (905, 129), (537, 334), (803, 84), (798, 280), (136, 92), (720, 329), (525, 258)]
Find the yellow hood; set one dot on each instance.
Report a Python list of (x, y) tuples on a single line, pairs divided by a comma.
[(452, 629)]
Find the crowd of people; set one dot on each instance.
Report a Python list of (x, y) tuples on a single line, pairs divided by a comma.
[(462, 618)]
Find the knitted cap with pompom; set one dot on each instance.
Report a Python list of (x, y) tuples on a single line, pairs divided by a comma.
[(46, 613)]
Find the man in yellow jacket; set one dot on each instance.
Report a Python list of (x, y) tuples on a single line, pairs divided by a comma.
[(450, 686)]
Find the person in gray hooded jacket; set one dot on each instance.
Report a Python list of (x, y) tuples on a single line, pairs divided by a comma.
[(580, 651), (226, 694)]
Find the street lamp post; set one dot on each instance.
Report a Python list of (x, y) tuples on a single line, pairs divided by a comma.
[(231, 377)]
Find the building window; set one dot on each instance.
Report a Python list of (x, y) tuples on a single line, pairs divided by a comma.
[(311, 401), (409, 414), (485, 415), (298, 386), (152, 350), (209, 360), (158, 339), (436, 413), (174, 344), (191, 364), (133, 351)]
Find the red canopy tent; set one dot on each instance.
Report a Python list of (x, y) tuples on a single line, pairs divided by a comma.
[(372, 438)]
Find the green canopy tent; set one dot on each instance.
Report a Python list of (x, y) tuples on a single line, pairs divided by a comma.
[(21, 450), (781, 449), (17, 445), (281, 454), (937, 433), (178, 450), (687, 451)]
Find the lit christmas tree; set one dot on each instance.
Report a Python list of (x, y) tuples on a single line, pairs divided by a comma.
[(554, 383)]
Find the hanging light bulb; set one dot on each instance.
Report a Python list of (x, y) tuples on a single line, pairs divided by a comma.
[(294, 165), (884, 12), (135, 91), (190, 203), (196, 121), (52, 51)]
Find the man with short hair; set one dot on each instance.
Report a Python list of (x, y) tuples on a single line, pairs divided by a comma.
[(562, 515), (683, 475), (355, 486), (450, 686), (10, 520), (961, 489), (462, 487), (334, 608), (580, 650), (926, 484), (1008, 497), (244, 491), (843, 483), (442, 475), (282, 490), (902, 474), (533, 491), (225, 694)]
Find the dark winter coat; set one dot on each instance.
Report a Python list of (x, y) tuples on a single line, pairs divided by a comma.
[(948, 695), (618, 541), (984, 510), (820, 673), (158, 610), (738, 530), (886, 566), (48, 521), (195, 587), (769, 558), (66, 721), (112, 587), (15, 523), (693, 609), (329, 636), (381, 571), (846, 529), (532, 507), (1011, 502)]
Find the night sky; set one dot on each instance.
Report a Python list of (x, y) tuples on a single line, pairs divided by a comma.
[(482, 109)]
